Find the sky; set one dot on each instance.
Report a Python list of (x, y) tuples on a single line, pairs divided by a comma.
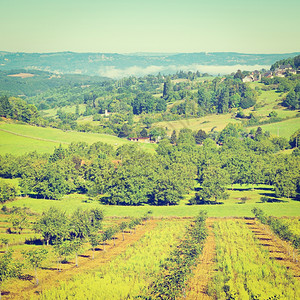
[(128, 26)]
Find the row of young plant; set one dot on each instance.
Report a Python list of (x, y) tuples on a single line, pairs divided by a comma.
[(68, 235), (244, 268), (129, 273), (293, 224), (279, 227), (177, 268)]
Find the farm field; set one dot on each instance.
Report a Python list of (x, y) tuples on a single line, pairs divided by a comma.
[(284, 129), (230, 265), (19, 139), (207, 123), (245, 270), (127, 275), (133, 255), (267, 101)]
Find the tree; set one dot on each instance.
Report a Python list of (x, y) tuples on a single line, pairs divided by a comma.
[(5, 241), (35, 259), (295, 139), (291, 100), (200, 136), (124, 131), (173, 139), (9, 268), (19, 221), (62, 248), (238, 75), (144, 133), (52, 225), (213, 184), (5, 107), (167, 88), (94, 240), (7, 191), (122, 227)]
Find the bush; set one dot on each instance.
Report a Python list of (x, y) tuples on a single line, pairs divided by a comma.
[(7, 192)]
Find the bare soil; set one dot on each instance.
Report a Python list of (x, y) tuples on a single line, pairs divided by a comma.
[(204, 272)]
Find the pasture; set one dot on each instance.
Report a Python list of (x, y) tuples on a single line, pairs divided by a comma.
[(241, 201), (19, 139)]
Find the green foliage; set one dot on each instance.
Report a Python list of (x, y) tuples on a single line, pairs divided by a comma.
[(128, 274), (177, 268), (9, 268), (52, 225), (7, 191), (244, 270), (19, 220), (278, 226), (213, 182)]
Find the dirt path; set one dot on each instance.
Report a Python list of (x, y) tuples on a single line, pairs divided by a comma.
[(203, 273), (278, 249), (51, 277)]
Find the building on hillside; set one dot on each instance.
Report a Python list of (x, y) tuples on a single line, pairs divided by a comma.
[(140, 139), (268, 74), (254, 76), (283, 70)]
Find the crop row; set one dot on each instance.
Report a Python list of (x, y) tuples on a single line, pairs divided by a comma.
[(280, 228), (293, 224), (245, 270), (177, 268), (127, 275)]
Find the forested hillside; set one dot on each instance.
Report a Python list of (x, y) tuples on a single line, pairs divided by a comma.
[(118, 65), (27, 83)]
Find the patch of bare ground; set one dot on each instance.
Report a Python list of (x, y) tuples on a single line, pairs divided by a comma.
[(22, 75), (204, 271), (51, 277), (278, 249)]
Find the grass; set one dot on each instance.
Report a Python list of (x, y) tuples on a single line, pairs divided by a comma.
[(244, 268), (283, 129), (267, 101), (207, 123), (25, 138), (231, 207), (18, 145), (67, 109)]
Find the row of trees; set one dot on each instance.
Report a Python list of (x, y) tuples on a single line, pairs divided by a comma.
[(130, 176), (18, 109), (66, 234)]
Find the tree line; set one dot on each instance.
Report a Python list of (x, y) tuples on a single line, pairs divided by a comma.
[(129, 176)]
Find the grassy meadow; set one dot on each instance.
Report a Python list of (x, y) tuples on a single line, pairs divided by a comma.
[(19, 139), (283, 129), (234, 206)]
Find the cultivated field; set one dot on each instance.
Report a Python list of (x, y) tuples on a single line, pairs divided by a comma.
[(241, 259)]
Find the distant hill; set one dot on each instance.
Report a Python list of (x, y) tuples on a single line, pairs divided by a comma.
[(118, 65), (294, 62), (32, 82)]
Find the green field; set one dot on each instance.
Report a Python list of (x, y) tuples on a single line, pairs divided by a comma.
[(231, 207), (283, 129), (19, 139), (67, 109), (207, 123)]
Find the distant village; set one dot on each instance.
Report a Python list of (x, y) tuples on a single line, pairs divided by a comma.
[(281, 71)]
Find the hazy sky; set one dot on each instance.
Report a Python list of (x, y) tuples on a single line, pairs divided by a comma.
[(256, 26)]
